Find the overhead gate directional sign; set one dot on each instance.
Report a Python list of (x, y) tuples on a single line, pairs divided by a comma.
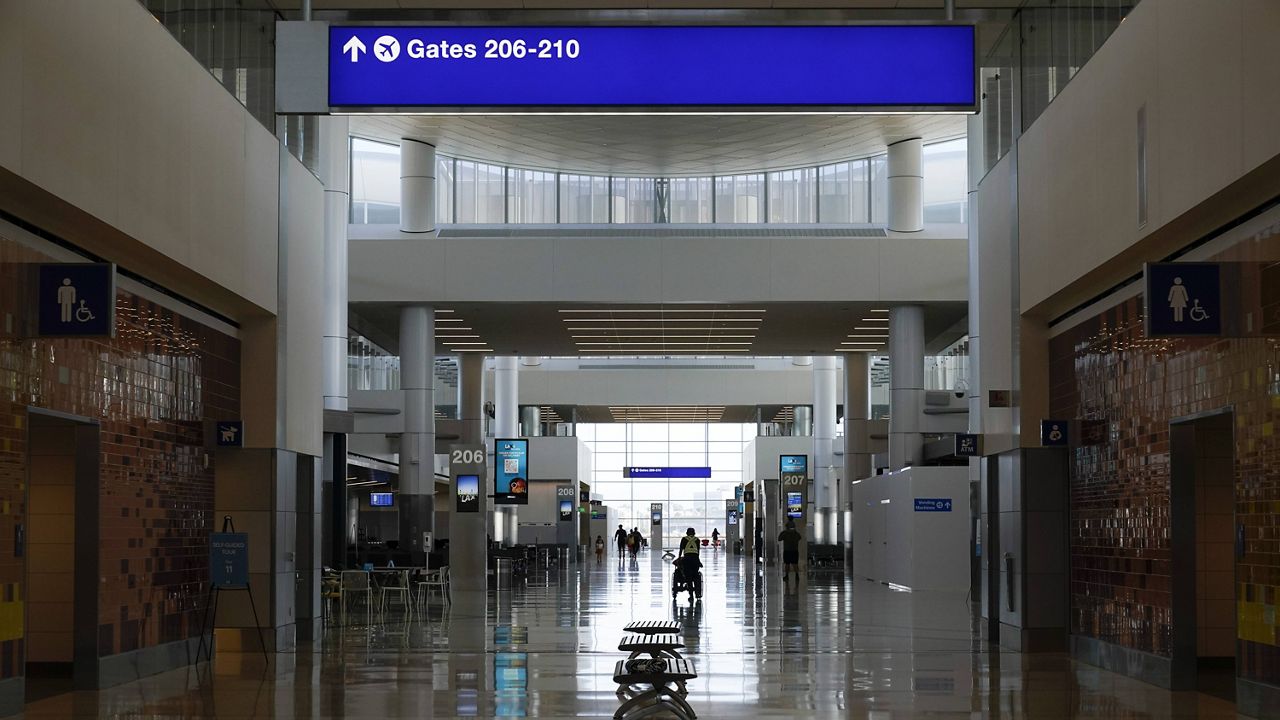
[(723, 69)]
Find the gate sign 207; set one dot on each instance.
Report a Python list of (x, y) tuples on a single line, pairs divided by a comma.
[(726, 68)]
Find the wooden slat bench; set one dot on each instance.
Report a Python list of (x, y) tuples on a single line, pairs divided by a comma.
[(648, 692)]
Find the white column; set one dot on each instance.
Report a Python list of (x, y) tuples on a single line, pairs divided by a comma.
[(857, 440), (506, 397), (824, 433), (417, 186), (906, 185), (471, 397), (418, 442), (506, 407), (906, 385), (857, 391), (802, 420), (335, 169)]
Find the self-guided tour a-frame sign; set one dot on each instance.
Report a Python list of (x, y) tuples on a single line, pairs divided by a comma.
[(724, 69)]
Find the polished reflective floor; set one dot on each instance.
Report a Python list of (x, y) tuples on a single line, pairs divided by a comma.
[(830, 648)]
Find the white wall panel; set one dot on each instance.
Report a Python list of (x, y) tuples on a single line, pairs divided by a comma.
[(1207, 76), (121, 122), (387, 268)]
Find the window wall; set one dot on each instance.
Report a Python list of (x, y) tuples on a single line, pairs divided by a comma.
[(686, 503), (849, 192)]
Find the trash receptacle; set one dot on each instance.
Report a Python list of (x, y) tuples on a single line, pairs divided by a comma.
[(502, 569)]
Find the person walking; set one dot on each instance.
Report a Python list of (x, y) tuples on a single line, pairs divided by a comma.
[(599, 549), (790, 539), (620, 537), (715, 538)]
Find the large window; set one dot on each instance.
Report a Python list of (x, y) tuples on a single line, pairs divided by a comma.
[(584, 199), (690, 200), (740, 199), (686, 503), (375, 182), (633, 200), (531, 196), (793, 196), (946, 171), (844, 194), (480, 190)]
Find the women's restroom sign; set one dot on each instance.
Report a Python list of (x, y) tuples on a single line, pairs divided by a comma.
[(77, 300), (1183, 299)]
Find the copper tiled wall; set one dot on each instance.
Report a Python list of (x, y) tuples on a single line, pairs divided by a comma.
[(153, 389), (1126, 389)]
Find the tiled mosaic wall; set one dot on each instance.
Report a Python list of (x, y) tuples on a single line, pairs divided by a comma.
[(153, 389), (1105, 370)]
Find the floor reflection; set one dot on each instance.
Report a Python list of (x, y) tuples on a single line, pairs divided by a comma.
[(826, 648)]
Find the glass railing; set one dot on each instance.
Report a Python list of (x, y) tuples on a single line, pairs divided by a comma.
[(1040, 51)]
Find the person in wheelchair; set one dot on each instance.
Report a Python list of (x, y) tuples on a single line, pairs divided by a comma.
[(687, 576)]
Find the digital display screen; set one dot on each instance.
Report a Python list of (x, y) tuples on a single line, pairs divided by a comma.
[(722, 67), (381, 499), (468, 494), (795, 505), (511, 472), (733, 518), (566, 510)]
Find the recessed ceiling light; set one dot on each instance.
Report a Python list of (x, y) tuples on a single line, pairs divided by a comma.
[(661, 310)]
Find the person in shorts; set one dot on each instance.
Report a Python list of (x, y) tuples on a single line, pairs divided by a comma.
[(790, 539)]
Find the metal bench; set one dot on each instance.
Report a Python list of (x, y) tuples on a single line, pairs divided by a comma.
[(653, 627), (655, 646), (667, 646), (653, 691)]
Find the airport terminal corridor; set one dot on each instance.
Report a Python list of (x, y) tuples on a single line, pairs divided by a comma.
[(830, 648), (346, 346)]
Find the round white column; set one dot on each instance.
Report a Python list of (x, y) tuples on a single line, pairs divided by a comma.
[(905, 167), (506, 407), (824, 433), (906, 385), (335, 173), (417, 186), (418, 441)]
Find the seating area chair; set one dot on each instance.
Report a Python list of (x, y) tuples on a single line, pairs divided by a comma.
[(355, 583), (398, 587), (435, 580)]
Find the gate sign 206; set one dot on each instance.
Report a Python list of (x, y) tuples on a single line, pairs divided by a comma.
[(728, 68)]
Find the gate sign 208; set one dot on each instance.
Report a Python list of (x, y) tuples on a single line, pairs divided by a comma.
[(676, 68)]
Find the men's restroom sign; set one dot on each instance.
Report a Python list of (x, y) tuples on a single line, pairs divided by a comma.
[(77, 300), (1183, 299)]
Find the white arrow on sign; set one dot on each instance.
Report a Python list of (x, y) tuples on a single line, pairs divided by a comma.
[(355, 47)]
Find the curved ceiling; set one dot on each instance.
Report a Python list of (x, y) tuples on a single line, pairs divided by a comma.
[(659, 145)]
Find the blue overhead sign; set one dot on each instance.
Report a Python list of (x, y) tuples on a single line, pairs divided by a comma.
[(933, 505), (1183, 299), (638, 473), (77, 300), (722, 68)]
